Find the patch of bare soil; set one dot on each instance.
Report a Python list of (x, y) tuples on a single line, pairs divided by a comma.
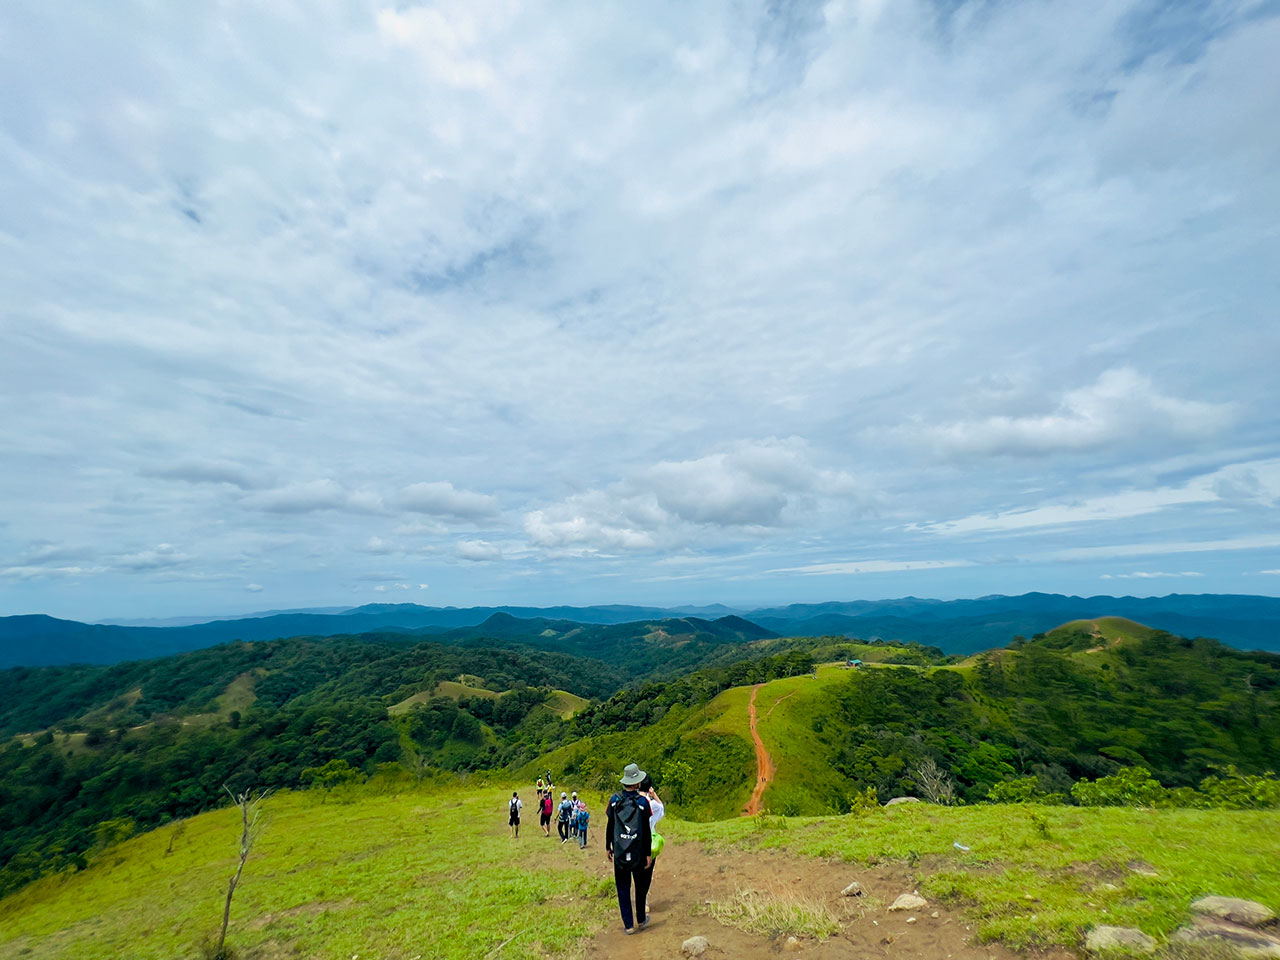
[(687, 879)]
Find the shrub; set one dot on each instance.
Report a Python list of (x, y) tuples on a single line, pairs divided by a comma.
[(1020, 790), (1240, 791), (1131, 787)]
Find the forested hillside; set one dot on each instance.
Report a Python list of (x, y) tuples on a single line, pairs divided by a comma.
[(99, 752)]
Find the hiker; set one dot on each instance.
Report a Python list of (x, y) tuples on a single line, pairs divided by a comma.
[(565, 810), (539, 786), (628, 843), (581, 819), (658, 810), (513, 817), (544, 813), (573, 815)]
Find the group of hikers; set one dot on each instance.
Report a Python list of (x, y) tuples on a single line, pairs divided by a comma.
[(630, 842)]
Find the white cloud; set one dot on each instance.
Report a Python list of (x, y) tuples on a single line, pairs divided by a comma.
[(1250, 484), (585, 524), (309, 497), (442, 499), (477, 550), (1122, 406), (377, 545), (162, 557), (43, 573), (751, 486), (254, 587), (1010, 262), (1149, 575), (850, 567), (1155, 547), (201, 470)]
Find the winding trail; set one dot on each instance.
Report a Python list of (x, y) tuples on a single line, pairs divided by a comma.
[(764, 762)]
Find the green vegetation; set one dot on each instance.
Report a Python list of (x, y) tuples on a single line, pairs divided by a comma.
[(1037, 876), (385, 870), (164, 736), (387, 875), (1096, 712)]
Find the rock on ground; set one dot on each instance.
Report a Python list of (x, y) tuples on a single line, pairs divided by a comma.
[(852, 890), (694, 946), (897, 800), (1129, 939), (909, 901), (1243, 941), (1250, 913), (792, 944)]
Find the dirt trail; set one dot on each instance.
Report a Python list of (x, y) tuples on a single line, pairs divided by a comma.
[(687, 881), (764, 762)]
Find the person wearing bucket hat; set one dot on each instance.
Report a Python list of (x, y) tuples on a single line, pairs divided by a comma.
[(628, 843)]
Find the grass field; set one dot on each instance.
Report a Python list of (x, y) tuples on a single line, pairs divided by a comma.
[(393, 877), (434, 874), (1038, 876)]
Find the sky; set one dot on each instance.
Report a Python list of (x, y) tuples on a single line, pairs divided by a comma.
[(483, 302)]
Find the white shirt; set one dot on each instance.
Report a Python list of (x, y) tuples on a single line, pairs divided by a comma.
[(657, 810), (519, 804)]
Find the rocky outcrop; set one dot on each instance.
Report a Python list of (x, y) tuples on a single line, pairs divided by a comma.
[(1126, 939), (1244, 927), (1247, 913)]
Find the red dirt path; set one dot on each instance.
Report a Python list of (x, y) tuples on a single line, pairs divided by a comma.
[(764, 762)]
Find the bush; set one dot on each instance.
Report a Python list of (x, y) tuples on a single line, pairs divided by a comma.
[(1240, 791), (1021, 790), (1131, 787)]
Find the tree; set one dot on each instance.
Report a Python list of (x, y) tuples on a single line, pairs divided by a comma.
[(332, 774), (250, 804), (676, 774), (933, 782)]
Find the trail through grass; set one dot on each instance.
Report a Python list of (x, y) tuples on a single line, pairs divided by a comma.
[(1043, 875)]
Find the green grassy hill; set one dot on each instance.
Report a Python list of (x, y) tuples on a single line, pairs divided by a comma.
[(388, 872), (1084, 701)]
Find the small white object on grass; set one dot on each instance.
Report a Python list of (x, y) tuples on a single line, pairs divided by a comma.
[(960, 846)]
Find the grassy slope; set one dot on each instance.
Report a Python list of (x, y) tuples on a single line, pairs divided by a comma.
[(562, 702), (389, 876), (434, 874), (713, 739), (804, 781), (1039, 875), (566, 704)]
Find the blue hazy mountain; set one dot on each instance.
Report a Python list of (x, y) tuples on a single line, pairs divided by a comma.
[(957, 626)]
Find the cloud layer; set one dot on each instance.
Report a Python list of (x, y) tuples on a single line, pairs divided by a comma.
[(571, 303)]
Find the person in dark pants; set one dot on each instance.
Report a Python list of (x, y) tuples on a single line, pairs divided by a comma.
[(628, 843), (565, 811)]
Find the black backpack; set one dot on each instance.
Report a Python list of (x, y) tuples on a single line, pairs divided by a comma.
[(628, 827)]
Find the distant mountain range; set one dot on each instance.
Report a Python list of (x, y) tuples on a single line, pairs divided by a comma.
[(957, 626)]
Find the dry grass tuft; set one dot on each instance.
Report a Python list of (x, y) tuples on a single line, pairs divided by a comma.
[(770, 913)]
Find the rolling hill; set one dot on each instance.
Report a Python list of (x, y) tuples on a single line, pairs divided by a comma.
[(956, 626)]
